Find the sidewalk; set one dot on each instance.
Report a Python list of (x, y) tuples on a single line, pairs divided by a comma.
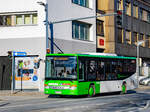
[(22, 93), (142, 87)]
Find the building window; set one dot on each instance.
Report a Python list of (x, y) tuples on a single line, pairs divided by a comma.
[(141, 13), (119, 4), (5, 20), (80, 30), (34, 19), (141, 37), (144, 15), (128, 8), (18, 19), (128, 37), (134, 38), (27, 19), (84, 3), (148, 17), (147, 42), (135, 11), (119, 35), (100, 28)]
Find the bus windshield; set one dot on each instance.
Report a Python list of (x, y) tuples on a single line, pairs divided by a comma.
[(61, 68)]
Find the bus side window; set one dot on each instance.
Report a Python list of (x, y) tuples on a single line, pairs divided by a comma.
[(100, 71), (81, 70), (108, 69), (91, 70)]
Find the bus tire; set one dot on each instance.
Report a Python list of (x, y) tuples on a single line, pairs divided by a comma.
[(91, 91)]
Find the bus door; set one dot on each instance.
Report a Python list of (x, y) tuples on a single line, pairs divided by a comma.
[(88, 75), (82, 86)]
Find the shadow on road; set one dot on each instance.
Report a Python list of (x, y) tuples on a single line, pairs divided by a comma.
[(4, 104), (85, 96)]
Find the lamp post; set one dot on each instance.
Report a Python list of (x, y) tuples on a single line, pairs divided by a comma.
[(138, 55), (46, 22)]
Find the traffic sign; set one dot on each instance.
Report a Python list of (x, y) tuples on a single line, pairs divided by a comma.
[(19, 54)]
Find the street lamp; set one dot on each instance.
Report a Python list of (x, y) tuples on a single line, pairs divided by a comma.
[(138, 53), (47, 23)]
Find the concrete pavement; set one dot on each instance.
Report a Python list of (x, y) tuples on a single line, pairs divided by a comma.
[(22, 93)]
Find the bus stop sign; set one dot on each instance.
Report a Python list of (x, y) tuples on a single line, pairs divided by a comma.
[(19, 54)]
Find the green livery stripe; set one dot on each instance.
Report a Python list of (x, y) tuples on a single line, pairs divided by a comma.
[(86, 55)]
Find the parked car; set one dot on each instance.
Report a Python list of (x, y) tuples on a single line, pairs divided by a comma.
[(145, 81), (142, 77)]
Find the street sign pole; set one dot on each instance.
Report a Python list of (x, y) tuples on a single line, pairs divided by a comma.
[(14, 54), (12, 77), (21, 77)]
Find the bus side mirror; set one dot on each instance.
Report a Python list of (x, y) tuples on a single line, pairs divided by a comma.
[(38, 63)]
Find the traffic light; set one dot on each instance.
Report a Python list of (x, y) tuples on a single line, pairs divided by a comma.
[(10, 53), (119, 17), (48, 51)]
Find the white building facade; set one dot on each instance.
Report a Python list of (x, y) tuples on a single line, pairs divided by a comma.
[(74, 36), (22, 28)]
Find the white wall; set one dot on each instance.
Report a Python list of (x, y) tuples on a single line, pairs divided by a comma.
[(65, 9), (11, 6), (31, 38)]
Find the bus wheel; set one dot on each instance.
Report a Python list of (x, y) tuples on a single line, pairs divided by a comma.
[(91, 91)]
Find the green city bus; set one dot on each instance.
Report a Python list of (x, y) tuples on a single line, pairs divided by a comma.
[(89, 74)]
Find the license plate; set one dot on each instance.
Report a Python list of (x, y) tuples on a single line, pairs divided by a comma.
[(58, 92)]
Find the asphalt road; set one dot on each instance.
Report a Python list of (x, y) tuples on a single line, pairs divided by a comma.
[(133, 102)]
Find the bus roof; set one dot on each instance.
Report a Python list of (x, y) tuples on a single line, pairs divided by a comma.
[(93, 55)]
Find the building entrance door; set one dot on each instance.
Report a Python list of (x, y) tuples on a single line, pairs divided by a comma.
[(5, 73)]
